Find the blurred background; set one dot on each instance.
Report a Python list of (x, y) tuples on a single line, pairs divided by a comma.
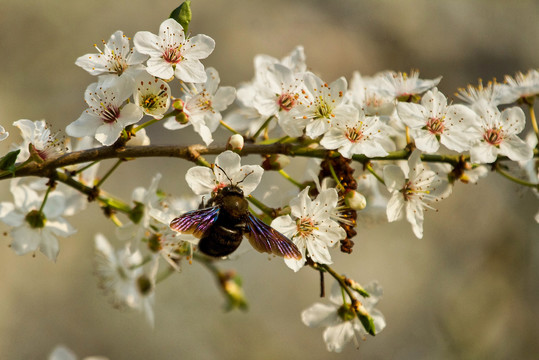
[(467, 290)]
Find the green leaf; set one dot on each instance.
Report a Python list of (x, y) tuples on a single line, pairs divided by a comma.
[(8, 161), (182, 14)]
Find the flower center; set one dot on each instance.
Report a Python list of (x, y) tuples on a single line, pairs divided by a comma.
[(305, 226), (435, 126), (287, 101), (118, 64), (409, 191), (373, 100), (36, 219), (110, 114), (323, 110), (204, 103), (493, 136), (152, 102), (154, 242), (354, 134), (172, 55)]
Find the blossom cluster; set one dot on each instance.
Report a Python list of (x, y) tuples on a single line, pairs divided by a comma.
[(161, 77)]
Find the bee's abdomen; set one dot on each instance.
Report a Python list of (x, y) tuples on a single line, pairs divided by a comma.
[(220, 241)]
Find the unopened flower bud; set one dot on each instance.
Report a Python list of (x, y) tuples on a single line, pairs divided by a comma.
[(178, 104), (276, 162), (355, 200), (179, 114), (356, 287), (231, 285), (235, 142)]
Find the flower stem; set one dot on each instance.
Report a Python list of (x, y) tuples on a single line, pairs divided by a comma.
[(374, 173), (165, 274), (264, 125), (226, 126), (515, 179), (87, 167), (533, 120), (142, 126), (336, 178), (259, 204), (114, 167), (289, 178), (93, 193), (340, 279), (45, 199)]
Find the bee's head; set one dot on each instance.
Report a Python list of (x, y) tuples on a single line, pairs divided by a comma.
[(232, 190)]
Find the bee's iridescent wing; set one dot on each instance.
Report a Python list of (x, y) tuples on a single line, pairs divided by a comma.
[(195, 222), (264, 238)]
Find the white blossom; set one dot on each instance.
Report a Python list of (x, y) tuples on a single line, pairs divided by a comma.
[(403, 85), (152, 95), (107, 115), (3, 133), (359, 135), (318, 107), (228, 171), (117, 62), (144, 200), (524, 85), (311, 228), (35, 226), (433, 122), (173, 54), (122, 277), (341, 324), (412, 193), (496, 133), (493, 94), (38, 134), (202, 106)]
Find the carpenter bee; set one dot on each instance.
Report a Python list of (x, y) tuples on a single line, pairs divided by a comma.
[(220, 226)]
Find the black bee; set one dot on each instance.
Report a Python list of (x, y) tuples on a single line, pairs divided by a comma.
[(221, 225)]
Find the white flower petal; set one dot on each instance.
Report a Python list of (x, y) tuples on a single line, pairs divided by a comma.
[(426, 141), (516, 149), (200, 179), (190, 70), (49, 245), (395, 207), (285, 225), (146, 43), (230, 162), (338, 335), (394, 178), (25, 239), (159, 68), (320, 315), (199, 47), (60, 227), (483, 153), (9, 216), (515, 118), (85, 125)]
